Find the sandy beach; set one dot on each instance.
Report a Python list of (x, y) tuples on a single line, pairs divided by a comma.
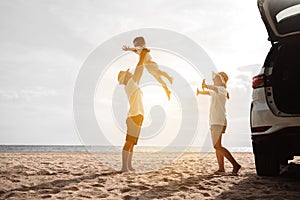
[(55, 175)]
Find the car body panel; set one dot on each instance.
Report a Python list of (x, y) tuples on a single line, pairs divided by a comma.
[(265, 117)]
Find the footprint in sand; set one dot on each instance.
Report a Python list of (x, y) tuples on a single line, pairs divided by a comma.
[(130, 181), (72, 188), (9, 195), (166, 179), (45, 172), (110, 189), (84, 196), (139, 187), (63, 172), (183, 188), (97, 185), (102, 196), (214, 182), (46, 196), (200, 187), (45, 163), (205, 194), (47, 191), (77, 174), (15, 180), (128, 197), (101, 180), (123, 190)]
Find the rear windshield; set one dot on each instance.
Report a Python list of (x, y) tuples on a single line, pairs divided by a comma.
[(290, 12), (286, 17)]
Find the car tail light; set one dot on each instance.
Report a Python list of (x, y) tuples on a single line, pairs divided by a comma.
[(258, 81), (260, 129)]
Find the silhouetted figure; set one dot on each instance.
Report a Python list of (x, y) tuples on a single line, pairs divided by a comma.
[(136, 110)]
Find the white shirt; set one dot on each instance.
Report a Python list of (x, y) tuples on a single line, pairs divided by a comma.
[(217, 115), (135, 98)]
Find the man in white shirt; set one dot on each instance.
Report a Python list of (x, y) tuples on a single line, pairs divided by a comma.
[(135, 113)]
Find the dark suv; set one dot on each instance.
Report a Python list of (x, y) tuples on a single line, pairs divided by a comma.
[(275, 107)]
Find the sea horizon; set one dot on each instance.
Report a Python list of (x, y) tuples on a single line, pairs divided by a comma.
[(112, 149)]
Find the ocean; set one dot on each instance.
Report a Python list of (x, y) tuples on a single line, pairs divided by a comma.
[(81, 148)]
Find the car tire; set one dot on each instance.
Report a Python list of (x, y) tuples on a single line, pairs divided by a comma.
[(266, 159)]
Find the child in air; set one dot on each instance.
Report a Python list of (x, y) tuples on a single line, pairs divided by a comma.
[(151, 66)]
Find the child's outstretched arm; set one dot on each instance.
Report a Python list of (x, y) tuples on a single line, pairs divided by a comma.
[(202, 92), (127, 48), (210, 87)]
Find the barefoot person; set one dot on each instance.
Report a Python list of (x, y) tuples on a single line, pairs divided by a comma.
[(151, 66), (217, 118), (136, 110)]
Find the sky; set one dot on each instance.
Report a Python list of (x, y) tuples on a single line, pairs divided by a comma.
[(44, 45)]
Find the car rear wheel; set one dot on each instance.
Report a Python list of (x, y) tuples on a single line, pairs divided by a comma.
[(266, 159)]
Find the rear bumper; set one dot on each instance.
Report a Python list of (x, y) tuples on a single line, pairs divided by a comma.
[(286, 141)]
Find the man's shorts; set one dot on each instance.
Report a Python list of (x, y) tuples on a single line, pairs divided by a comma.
[(134, 124)]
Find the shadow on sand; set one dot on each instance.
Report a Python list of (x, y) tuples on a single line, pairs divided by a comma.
[(55, 186), (202, 186), (285, 186)]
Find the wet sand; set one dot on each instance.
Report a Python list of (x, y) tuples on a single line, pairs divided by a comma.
[(82, 176)]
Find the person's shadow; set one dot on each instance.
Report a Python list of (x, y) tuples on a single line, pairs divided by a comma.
[(285, 186)]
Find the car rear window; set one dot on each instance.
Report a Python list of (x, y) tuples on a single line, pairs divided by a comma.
[(288, 13)]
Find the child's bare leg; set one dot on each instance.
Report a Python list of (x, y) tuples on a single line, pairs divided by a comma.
[(227, 154), (220, 159), (168, 92), (165, 74)]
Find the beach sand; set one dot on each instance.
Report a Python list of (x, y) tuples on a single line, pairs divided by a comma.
[(37, 175)]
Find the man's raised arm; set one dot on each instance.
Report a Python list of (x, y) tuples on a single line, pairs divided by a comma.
[(139, 68)]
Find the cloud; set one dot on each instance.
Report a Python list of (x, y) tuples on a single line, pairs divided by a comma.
[(253, 69), (27, 94), (9, 94), (32, 26)]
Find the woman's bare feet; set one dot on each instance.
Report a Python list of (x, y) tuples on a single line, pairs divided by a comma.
[(219, 171), (236, 169)]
